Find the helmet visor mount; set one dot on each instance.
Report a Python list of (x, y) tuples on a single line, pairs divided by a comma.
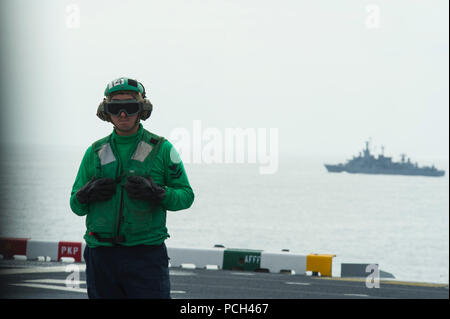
[(116, 107)]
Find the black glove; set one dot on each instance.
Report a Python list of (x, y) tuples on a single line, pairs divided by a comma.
[(96, 190), (139, 187)]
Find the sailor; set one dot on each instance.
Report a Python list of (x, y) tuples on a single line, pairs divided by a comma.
[(125, 184)]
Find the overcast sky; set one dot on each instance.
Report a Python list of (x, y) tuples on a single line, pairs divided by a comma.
[(327, 74)]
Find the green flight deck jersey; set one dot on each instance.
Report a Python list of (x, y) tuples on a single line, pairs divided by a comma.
[(122, 220)]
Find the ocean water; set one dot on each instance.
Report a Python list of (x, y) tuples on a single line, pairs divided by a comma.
[(399, 222)]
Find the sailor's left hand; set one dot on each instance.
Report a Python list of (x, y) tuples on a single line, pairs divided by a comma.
[(139, 187)]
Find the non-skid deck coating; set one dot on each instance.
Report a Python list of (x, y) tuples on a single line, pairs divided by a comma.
[(48, 280)]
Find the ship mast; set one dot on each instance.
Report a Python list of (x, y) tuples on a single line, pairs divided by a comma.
[(403, 157), (366, 151)]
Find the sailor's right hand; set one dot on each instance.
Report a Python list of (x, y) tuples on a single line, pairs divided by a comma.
[(96, 190)]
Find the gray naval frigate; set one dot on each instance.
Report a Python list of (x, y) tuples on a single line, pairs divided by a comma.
[(366, 163)]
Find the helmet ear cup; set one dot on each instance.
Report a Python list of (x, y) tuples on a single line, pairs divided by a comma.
[(101, 114), (147, 109)]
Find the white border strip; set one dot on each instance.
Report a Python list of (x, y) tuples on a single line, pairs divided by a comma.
[(278, 261), (208, 258), (200, 257)]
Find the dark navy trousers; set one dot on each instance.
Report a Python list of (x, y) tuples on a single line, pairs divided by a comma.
[(127, 272)]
